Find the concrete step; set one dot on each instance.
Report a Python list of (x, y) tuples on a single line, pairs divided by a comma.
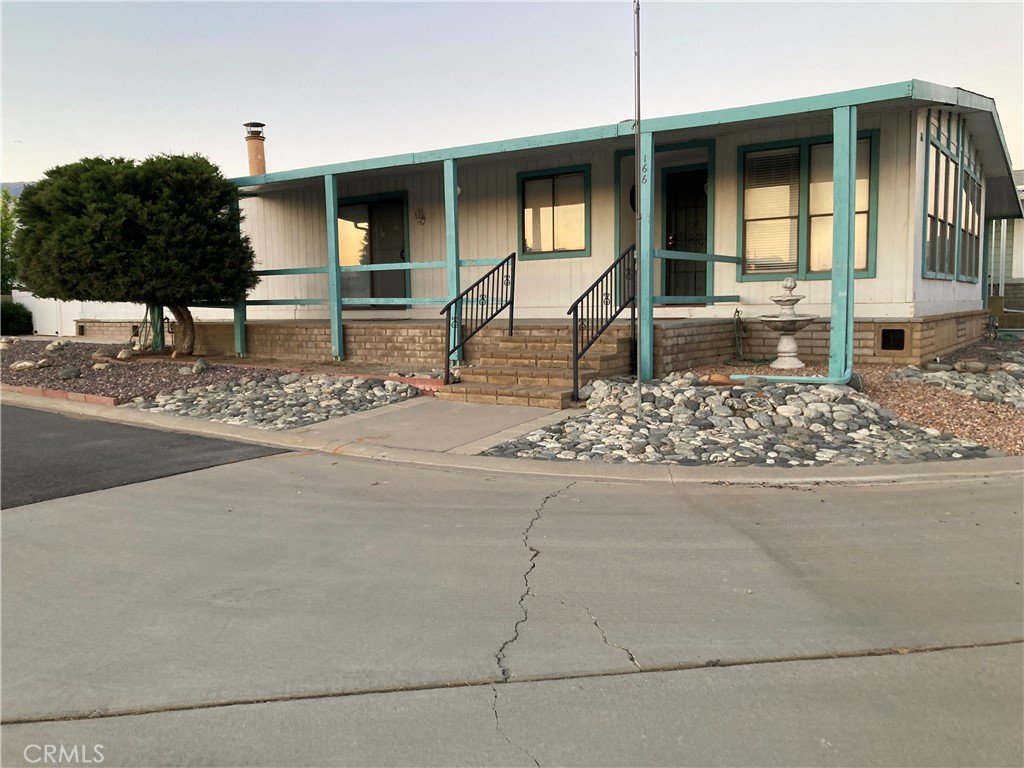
[(507, 394), (605, 344), (563, 330), (531, 376), (608, 362)]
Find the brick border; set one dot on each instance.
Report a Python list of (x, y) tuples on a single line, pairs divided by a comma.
[(59, 394)]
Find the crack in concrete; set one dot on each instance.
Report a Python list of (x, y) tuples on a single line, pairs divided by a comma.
[(593, 618), (497, 725), (196, 706), (499, 656), (604, 636)]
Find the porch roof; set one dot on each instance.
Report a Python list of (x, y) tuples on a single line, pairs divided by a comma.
[(980, 111)]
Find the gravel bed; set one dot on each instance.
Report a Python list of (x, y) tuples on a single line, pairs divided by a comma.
[(278, 402), (975, 408), (266, 398), (683, 421), (904, 418)]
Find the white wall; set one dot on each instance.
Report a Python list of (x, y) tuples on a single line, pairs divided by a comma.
[(51, 317), (287, 228), (890, 292)]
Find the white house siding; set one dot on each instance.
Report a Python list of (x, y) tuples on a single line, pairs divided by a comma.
[(889, 293), (51, 317), (288, 230), (489, 222)]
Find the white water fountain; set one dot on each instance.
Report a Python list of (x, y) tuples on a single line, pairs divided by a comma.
[(787, 324)]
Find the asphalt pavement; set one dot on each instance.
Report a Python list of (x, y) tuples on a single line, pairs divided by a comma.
[(52, 455), (425, 607)]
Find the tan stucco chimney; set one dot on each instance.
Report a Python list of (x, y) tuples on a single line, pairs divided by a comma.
[(254, 139)]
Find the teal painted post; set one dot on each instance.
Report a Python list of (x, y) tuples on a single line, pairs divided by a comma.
[(240, 328), (645, 255), (333, 267), (451, 231), (987, 246), (844, 199), (156, 324)]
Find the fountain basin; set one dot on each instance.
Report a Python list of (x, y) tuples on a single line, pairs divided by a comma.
[(792, 323)]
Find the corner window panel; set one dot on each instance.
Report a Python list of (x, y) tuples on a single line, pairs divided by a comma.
[(952, 227)]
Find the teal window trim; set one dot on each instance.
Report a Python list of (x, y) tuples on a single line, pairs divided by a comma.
[(524, 176), (803, 271), (954, 144), (402, 195)]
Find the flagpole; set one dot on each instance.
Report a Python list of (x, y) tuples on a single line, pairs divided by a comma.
[(636, 182)]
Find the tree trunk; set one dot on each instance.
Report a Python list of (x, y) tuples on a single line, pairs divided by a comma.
[(185, 335)]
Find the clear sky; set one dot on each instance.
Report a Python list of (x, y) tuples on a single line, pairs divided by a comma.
[(343, 81)]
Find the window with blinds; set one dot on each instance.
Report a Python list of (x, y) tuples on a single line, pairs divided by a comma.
[(771, 211), (787, 208)]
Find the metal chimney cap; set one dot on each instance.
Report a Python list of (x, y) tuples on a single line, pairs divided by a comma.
[(254, 128)]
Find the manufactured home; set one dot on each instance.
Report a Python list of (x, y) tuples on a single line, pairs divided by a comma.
[(876, 201)]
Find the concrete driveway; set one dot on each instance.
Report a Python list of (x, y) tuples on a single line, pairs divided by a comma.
[(305, 609)]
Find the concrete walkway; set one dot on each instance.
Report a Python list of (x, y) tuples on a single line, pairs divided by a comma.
[(427, 431)]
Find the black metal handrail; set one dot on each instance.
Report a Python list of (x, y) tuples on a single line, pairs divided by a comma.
[(598, 306), (471, 310)]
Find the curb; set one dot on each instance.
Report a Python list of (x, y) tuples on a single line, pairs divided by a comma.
[(367, 448), (60, 394)]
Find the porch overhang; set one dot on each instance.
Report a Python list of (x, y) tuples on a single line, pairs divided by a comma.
[(980, 112)]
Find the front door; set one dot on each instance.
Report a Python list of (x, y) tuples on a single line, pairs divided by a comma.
[(373, 233), (686, 229)]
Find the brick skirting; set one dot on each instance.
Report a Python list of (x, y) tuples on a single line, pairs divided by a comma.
[(679, 344)]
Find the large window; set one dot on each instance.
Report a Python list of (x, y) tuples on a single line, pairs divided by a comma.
[(554, 213), (786, 203), (952, 229)]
